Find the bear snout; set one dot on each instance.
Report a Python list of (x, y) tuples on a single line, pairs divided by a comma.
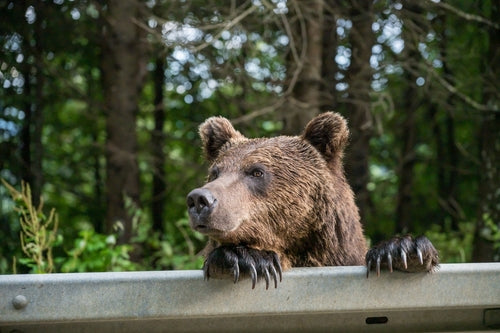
[(201, 203)]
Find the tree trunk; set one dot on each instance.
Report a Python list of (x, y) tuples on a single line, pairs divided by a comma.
[(359, 77), (453, 167), (489, 150), (158, 143), (433, 115), (26, 129), (447, 153), (329, 67), (37, 112), (408, 157), (440, 133), (489, 196), (123, 69), (407, 130), (449, 159), (306, 86), (97, 209), (31, 134)]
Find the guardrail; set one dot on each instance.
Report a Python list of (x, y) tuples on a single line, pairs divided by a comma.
[(458, 297)]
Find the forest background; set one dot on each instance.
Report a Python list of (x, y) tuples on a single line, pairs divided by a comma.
[(100, 103)]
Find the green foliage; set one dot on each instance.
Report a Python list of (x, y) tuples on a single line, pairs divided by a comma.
[(91, 251), (94, 252), (164, 251), (38, 232), (169, 252), (491, 232), (454, 246)]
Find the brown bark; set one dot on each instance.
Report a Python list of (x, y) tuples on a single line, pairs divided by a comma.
[(305, 101), (158, 143), (449, 160), (437, 135), (123, 69), (444, 136), (489, 197), (359, 77), (329, 66), (31, 134), (489, 150), (453, 167), (408, 159), (37, 111), (26, 129), (407, 131)]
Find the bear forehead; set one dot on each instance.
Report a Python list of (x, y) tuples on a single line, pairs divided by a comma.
[(269, 151)]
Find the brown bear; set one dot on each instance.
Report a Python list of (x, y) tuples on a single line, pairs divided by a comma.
[(274, 203)]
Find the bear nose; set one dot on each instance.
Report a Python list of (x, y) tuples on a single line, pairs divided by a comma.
[(200, 201)]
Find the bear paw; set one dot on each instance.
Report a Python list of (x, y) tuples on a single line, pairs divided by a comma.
[(403, 253), (235, 261)]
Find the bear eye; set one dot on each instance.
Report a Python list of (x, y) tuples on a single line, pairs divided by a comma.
[(213, 174), (257, 173)]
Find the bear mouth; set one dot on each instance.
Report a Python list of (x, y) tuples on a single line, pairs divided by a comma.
[(212, 228), (210, 231), (206, 230), (202, 228)]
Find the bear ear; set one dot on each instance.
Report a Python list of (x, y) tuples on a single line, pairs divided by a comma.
[(214, 133), (329, 134)]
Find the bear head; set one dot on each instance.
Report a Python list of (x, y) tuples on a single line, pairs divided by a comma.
[(273, 193)]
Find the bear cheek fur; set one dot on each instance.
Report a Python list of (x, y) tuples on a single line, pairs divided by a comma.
[(291, 196), (298, 205), (243, 201), (231, 210)]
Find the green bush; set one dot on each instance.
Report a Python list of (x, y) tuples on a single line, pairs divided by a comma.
[(43, 250), (453, 246), (94, 252)]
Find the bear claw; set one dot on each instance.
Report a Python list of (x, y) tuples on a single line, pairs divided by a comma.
[(404, 254), (236, 261)]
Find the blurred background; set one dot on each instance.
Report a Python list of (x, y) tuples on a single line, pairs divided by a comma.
[(100, 103)]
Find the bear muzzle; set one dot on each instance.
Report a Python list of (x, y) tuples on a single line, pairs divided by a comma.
[(201, 203)]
